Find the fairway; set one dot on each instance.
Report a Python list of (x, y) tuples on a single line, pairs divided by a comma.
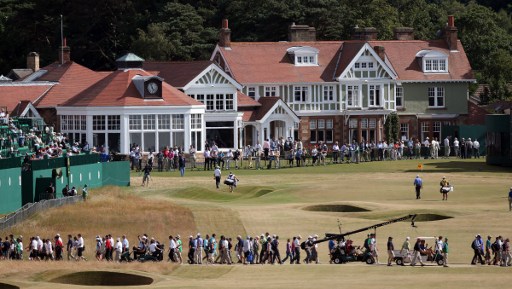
[(287, 202)]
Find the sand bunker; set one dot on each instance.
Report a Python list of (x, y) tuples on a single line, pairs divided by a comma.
[(431, 217), (100, 278), (8, 286), (336, 208)]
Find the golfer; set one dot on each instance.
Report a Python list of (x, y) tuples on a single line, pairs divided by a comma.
[(418, 184)]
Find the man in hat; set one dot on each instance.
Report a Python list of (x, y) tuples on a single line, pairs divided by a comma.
[(217, 175), (391, 253), (477, 246), (418, 184)]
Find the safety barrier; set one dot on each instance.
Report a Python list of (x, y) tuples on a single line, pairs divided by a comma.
[(30, 209)]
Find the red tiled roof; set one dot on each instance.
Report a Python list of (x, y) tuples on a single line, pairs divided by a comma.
[(117, 89), (11, 95), (72, 79), (20, 107), (247, 116), (402, 55), (177, 74), (245, 101), (268, 62)]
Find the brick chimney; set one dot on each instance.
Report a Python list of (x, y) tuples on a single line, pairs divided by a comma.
[(381, 51), (64, 53), (404, 33), (301, 33), (366, 33), (225, 34), (450, 34), (33, 61)]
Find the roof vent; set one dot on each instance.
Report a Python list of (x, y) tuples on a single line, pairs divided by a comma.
[(129, 61)]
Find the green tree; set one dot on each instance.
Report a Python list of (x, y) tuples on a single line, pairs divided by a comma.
[(498, 74), (153, 44), (392, 127)]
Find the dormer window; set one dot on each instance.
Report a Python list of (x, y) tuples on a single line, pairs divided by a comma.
[(433, 61), (149, 87), (303, 55)]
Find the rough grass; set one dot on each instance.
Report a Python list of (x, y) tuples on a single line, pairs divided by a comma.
[(273, 201)]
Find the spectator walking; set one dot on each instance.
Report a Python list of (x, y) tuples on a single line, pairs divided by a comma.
[(477, 246), (445, 252), (391, 253), (510, 199), (181, 164), (217, 175)]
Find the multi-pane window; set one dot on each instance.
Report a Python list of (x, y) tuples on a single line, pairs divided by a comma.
[(399, 96), (436, 129), (374, 95), (364, 65), (209, 101), (219, 102), (178, 121), (321, 130), (164, 121), (436, 96), (148, 121), (435, 65), (135, 122), (328, 93), (425, 130), (404, 131), (251, 92), (114, 122), (229, 102), (271, 91), (301, 93), (98, 122), (195, 121), (352, 95), (200, 98), (73, 122)]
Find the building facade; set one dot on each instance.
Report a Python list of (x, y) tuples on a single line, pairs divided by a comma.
[(344, 90)]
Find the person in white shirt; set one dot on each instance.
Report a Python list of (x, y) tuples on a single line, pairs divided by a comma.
[(476, 149), (119, 250), (126, 244), (153, 248), (80, 248), (456, 151), (49, 249), (229, 157), (172, 249), (446, 144), (217, 175), (439, 245), (34, 253)]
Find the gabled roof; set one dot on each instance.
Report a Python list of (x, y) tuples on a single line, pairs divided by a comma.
[(118, 89), (177, 74), (402, 56), (22, 109), (268, 105), (269, 62), (348, 59), (72, 79), (245, 101), (11, 94), (19, 73)]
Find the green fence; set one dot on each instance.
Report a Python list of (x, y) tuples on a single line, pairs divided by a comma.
[(10, 185), (19, 187)]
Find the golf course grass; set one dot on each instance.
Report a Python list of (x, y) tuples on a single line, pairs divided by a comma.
[(287, 202)]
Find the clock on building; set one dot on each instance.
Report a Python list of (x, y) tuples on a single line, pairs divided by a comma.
[(152, 87)]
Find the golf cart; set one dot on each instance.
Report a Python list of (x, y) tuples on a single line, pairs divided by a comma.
[(428, 255), (348, 253)]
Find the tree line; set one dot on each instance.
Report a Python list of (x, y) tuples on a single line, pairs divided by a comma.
[(99, 31)]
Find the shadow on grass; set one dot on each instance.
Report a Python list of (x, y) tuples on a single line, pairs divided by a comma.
[(456, 166), (101, 278), (221, 195)]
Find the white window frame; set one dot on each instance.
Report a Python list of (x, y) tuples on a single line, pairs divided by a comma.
[(399, 94), (303, 91), (271, 91), (251, 92), (354, 92), (435, 65), (404, 128), (374, 100), (328, 93), (437, 93)]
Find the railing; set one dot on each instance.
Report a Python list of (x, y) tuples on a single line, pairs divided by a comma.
[(33, 208)]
